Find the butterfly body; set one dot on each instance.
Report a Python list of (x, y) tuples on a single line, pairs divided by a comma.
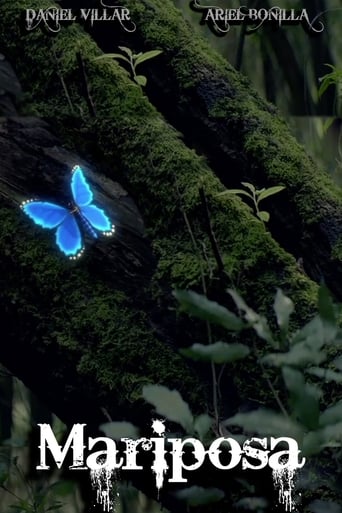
[(76, 211), (64, 220)]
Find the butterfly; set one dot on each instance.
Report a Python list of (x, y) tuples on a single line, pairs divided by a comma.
[(66, 220)]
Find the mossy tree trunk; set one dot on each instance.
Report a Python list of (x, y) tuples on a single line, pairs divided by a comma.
[(88, 326), (241, 135)]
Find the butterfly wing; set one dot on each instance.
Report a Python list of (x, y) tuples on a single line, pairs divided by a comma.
[(44, 213), (94, 217), (50, 215), (68, 237), (97, 219), (80, 189)]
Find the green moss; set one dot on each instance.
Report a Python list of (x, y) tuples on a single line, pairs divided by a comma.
[(267, 142), (164, 177), (94, 326), (163, 26)]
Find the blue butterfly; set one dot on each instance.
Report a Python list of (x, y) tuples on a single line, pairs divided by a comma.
[(68, 233)]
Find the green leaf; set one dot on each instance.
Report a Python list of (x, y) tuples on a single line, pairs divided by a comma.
[(23, 505), (146, 56), (55, 506), (62, 488), (304, 398), (259, 191), (263, 215), (319, 506), (332, 78), (312, 333), (169, 404), (141, 80), (329, 436), (112, 56), (258, 322), (327, 124), (337, 341), (338, 363), (257, 504), (15, 441), (326, 305), (332, 435), (328, 65), (235, 191), (331, 415), (202, 425), (312, 443), (126, 50), (219, 352), (249, 186), (117, 430), (299, 356), (201, 307), (326, 82), (198, 496), (325, 374), (270, 192), (266, 422), (283, 307), (327, 313)]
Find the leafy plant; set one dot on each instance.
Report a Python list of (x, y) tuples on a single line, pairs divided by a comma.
[(198, 496), (297, 354), (304, 358), (38, 499), (256, 196), (133, 60), (170, 404), (117, 430), (332, 78)]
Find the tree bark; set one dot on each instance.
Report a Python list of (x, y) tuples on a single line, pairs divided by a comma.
[(73, 334), (242, 136)]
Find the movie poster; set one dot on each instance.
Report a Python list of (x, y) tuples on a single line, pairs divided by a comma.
[(171, 256)]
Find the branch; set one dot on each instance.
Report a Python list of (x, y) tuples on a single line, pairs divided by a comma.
[(86, 87), (211, 235)]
